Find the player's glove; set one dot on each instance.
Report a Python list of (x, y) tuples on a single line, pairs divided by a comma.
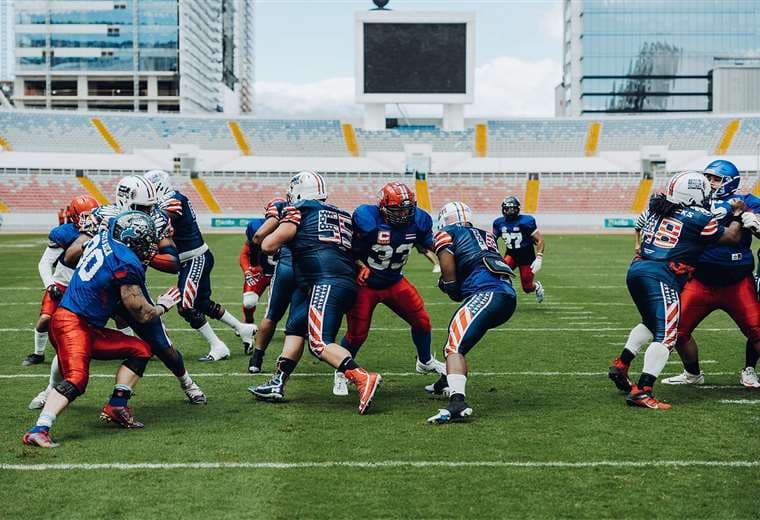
[(88, 224), (363, 275), (253, 275), (537, 263), (169, 299), (751, 222), (54, 292), (172, 207)]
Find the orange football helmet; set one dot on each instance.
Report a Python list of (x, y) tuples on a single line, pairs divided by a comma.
[(79, 206), (397, 203)]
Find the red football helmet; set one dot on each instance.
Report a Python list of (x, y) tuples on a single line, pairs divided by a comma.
[(397, 203), (78, 206)]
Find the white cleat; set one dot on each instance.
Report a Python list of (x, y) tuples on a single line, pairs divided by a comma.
[(686, 378), (218, 352), (39, 402), (340, 384), (749, 378), (539, 292), (247, 333), (431, 367), (195, 394)]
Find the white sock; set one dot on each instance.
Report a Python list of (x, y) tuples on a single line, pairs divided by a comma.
[(55, 372), (127, 330), (185, 380), (208, 333), (230, 320), (655, 359), (639, 336), (457, 382), (40, 340), (46, 419)]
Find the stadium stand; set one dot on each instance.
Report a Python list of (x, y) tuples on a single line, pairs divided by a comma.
[(588, 192), (537, 138), (394, 139), (747, 139), (29, 193), (623, 134)]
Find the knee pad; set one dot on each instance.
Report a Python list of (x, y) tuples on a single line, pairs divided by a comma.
[(136, 365), (68, 390), (211, 309), (250, 299), (193, 317)]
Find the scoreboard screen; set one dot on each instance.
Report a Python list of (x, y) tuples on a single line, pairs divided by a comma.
[(415, 58)]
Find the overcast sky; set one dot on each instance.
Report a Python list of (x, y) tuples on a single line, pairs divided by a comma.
[(305, 52)]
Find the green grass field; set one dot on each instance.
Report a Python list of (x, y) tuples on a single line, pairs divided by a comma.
[(550, 436)]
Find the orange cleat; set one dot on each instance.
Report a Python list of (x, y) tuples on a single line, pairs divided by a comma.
[(645, 399), (366, 386)]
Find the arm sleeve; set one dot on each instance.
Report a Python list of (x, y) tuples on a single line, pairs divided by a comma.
[(245, 256), (495, 229), (45, 266), (712, 231), (291, 214), (443, 241), (530, 226)]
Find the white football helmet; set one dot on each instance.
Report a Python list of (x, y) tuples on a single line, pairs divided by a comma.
[(689, 189), (160, 180), (307, 186), (454, 213), (135, 192)]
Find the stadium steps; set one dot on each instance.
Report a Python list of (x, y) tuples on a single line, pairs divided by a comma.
[(422, 190), (240, 140), (92, 189), (3, 207), (349, 136), (5, 145), (592, 139), (481, 140), (206, 195), (531, 195), (642, 196), (728, 137), (106, 135)]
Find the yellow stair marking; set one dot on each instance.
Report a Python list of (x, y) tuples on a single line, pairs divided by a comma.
[(423, 195), (481, 140), (206, 195), (592, 138), (92, 189), (756, 189), (107, 135), (642, 196), (728, 136), (349, 136), (3, 207), (5, 145), (240, 139), (531, 195)]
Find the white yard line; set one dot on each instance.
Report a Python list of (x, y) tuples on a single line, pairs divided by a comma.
[(556, 464), (739, 401), (440, 329)]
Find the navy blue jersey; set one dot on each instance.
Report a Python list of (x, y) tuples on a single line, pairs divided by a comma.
[(517, 233), (322, 245), (724, 262), (284, 254), (63, 236), (266, 262), (679, 238), (187, 234), (470, 246), (105, 266), (385, 248)]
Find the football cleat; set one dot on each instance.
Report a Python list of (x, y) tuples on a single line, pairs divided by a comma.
[(218, 352), (40, 439), (33, 359), (195, 394), (366, 386), (340, 384), (749, 378), (257, 359), (645, 399), (539, 292), (121, 415), (440, 387), (431, 367), (272, 390), (618, 373), (39, 401), (685, 378), (457, 410), (246, 333)]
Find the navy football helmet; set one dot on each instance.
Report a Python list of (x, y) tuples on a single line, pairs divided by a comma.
[(137, 231), (510, 207), (728, 173)]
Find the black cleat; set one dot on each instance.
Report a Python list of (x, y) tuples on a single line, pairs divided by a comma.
[(618, 374), (440, 387), (457, 410), (33, 359)]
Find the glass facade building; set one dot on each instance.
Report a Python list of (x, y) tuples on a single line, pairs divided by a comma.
[(652, 55), (72, 54)]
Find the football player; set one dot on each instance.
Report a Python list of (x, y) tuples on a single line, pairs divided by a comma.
[(282, 288), (677, 228), (524, 244), (474, 273), (196, 263), (722, 280), (111, 269), (55, 275), (384, 235), (257, 267), (319, 236)]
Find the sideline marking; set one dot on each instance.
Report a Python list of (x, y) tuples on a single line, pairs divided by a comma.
[(123, 466)]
